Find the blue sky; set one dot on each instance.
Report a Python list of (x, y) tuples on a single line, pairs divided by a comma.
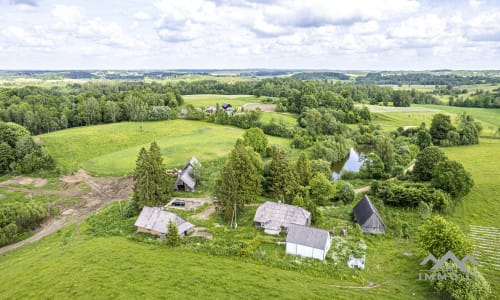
[(313, 34)]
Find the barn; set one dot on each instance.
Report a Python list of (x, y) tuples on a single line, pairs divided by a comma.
[(366, 215), (185, 181), (154, 220), (308, 242), (276, 217)]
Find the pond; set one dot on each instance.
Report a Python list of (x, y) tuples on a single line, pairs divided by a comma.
[(352, 162)]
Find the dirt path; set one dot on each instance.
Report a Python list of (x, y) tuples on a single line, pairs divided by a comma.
[(204, 215), (102, 192), (367, 187)]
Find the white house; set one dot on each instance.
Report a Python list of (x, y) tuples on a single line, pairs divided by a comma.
[(307, 241)]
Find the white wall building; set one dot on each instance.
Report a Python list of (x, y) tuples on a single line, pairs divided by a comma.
[(308, 242)]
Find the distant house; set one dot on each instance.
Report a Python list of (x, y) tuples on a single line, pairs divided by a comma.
[(211, 109), (276, 217), (154, 220), (183, 112), (307, 241), (366, 215), (185, 180), (225, 106)]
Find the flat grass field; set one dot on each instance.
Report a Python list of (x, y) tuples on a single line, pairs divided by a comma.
[(393, 117), (207, 100), (104, 153)]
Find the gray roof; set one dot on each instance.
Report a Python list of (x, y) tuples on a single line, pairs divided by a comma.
[(274, 215), (185, 175), (157, 219), (364, 210), (308, 236)]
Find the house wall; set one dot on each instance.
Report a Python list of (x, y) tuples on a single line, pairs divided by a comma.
[(305, 251), (145, 230), (291, 248), (372, 225)]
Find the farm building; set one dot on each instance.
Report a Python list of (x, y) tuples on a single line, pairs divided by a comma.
[(366, 215), (276, 217), (185, 181), (183, 112), (211, 109), (307, 241), (154, 220), (226, 106)]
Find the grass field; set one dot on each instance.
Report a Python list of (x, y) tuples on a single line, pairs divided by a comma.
[(489, 116), (207, 100), (101, 152), (288, 118)]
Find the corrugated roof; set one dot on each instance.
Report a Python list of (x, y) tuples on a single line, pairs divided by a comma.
[(157, 219), (364, 210), (274, 214), (308, 236)]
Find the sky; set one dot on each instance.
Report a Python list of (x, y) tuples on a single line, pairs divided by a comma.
[(236, 34)]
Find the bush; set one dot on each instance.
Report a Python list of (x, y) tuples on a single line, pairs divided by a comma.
[(426, 160), (451, 177), (345, 193), (438, 236), (460, 284)]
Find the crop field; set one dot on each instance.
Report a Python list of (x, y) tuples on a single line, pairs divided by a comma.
[(111, 150), (207, 100)]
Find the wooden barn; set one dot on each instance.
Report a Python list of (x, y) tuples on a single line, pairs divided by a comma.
[(366, 215), (307, 241), (276, 217), (185, 181), (154, 220)]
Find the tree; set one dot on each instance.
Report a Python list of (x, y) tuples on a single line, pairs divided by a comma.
[(240, 180), (372, 167), (450, 176), (255, 138), (11, 132), (92, 110), (298, 200), (322, 189), (151, 183), (424, 139), (426, 161), (440, 126), (438, 236), (321, 166), (345, 192), (315, 212), (384, 148), (280, 176), (6, 157), (172, 239), (303, 169), (461, 284)]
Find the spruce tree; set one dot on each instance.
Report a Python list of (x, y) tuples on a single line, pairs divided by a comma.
[(151, 184), (173, 239), (281, 180), (240, 179), (303, 169)]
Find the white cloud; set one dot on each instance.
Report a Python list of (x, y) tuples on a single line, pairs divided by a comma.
[(68, 14), (422, 27), (141, 16), (20, 37), (485, 27)]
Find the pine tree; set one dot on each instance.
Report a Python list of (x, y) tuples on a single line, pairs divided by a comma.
[(298, 200), (281, 180), (303, 169), (140, 177), (240, 179), (173, 239)]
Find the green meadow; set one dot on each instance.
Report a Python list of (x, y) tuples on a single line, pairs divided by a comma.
[(111, 149), (207, 100)]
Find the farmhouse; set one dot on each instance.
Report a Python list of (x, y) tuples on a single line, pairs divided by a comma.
[(276, 217), (366, 215), (226, 106), (211, 109), (183, 112), (185, 181), (307, 241), (154, 220)]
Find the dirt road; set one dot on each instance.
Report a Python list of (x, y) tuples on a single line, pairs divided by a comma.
[(102, 192)]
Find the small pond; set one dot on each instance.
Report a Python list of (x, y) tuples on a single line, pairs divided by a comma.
[(352, 162)]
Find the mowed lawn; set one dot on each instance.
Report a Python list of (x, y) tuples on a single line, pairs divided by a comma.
[(111, 149), (202, 100), (67, 265)]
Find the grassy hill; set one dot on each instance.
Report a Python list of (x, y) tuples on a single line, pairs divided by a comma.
[(111, 149)]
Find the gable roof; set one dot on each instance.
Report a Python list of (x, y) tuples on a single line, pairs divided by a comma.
[(308, 236), (364, 210), (185, 175), (274, 214), (226, 105), (157, 219)]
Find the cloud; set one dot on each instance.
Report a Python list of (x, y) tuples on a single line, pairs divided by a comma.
[(32, 3), (18, 36), (141, 16), (422, 27), (485, 27), (68, 14)]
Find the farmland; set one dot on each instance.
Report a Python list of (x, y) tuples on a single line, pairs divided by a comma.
[(111, 150)]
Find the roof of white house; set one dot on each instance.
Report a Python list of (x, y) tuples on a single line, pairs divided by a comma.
[(157, 219), (308, 236), (274, 215)]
